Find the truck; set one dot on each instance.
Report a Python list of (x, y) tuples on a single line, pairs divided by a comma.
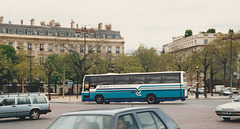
[(218, 88)]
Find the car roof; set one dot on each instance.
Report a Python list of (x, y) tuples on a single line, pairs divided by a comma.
[(107, 111)]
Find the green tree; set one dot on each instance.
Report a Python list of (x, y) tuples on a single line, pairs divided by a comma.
[(188, 33), (148, 58), (5, 67), (127, 64), (211, 30)]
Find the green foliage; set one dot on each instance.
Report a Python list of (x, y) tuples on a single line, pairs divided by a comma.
[(188, 33), (10, 52), (148, 58), (5, 68), (211, 30)]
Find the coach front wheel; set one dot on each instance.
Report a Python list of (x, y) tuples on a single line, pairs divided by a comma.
[(99, 99)]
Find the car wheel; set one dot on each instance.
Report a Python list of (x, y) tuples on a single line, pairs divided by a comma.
[(99, 99), (151, 99), (34, 114), (226, 118), (22, 117)]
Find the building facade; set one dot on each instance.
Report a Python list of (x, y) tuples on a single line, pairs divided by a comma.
[(51, 38), (189, 44)]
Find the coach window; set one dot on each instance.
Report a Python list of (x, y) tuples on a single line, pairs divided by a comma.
[(122, 79), (153, 78), (171, 78), (137, 79), (105, 80), (93, 82)]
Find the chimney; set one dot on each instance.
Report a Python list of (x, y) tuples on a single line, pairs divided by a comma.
[(52, 22), (108, 27), (57, 24), (100, 25), (72, 24), (21, 22), (10, 22), (42, 23), (1, 19), (32, 22), (77, 25)]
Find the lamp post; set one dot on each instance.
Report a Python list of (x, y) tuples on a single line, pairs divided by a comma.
[(30, 75), (231, 32), (197, 95)]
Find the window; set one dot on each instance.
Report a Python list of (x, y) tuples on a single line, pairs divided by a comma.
[(122, 79), (38, 99), (23, 100), (70, 47), (41, 33), (117, 49), (81, 49), (50, 48), (98, 49), (29, 32), (10, 31), (150, 120), (61, 48), (20, 46), (19, 31), (137, 79), (105, 80), (109, 50), (90, 49), (205, 41), (29, 46), (61, 34), (153, 78), (10, 43), (171, 78), (127, 122), (93, 82), (41, 47), (50, 33), (8, 101)]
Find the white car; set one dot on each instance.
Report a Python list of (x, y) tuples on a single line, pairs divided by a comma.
[(229, 110)]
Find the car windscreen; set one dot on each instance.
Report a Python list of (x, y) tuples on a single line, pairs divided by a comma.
[(83, 121)]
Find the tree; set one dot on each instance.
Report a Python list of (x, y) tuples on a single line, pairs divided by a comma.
[(188, 33), (127, 64), (211, 30), (180, 62), (148, 58), (49, 67)]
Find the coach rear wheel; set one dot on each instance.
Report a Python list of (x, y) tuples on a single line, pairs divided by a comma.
[(99, 99), (151, 99)]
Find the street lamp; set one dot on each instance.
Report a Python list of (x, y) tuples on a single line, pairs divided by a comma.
[(197, 95), (230, 32)]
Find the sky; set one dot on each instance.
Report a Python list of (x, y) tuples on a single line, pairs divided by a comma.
[(151, 23)]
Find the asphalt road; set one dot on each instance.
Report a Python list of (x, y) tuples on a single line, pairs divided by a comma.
[(189, 114)]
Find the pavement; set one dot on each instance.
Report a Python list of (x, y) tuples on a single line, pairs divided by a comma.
[(74, 99)]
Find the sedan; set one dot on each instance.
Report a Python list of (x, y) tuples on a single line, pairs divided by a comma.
[(224, 92), (115, 118), (229, 110)]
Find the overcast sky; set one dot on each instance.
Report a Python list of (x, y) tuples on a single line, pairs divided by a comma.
[(148, 22)]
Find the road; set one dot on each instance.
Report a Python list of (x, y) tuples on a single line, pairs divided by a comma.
[(190, 114)]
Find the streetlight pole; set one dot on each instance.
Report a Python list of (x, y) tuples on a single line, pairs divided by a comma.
[(30, 64), (231, 32), (197, 95)]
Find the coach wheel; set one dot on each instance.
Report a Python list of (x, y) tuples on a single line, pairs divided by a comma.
[(99, 99), (151, 99)]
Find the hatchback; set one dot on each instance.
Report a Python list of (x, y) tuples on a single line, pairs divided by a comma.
[(115, 118)]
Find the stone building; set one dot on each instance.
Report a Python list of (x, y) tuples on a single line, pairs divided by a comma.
[(189, 44), (51, 38)]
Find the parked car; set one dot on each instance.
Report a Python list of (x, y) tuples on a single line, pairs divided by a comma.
[(200, 90), (234, 90), (237, 99), (115, 118), (23, 105), (224, 92), (229, 110)]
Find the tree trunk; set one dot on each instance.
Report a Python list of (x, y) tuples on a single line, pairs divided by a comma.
[(22, 85), (224, 74), (49, 78), (205, 82)]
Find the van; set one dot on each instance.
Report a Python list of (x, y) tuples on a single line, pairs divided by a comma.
[(24, 105)]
